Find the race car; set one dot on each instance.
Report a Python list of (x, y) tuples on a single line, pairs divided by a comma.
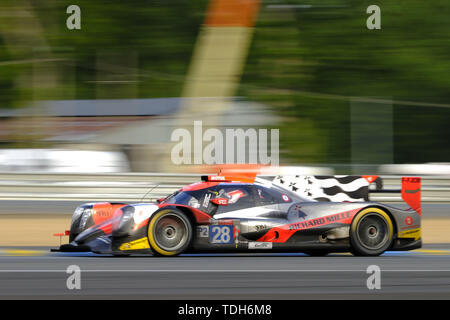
[(315, 215)]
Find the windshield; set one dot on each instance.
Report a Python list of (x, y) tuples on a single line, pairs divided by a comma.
[(189, 198)]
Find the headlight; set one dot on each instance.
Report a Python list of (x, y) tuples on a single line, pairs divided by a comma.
[(127, 215), (84, 218), (77, 214)]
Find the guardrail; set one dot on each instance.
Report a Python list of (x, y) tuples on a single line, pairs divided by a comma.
[(136, 187)]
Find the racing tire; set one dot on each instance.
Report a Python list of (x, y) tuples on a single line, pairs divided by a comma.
[(169, 232), (371, 232)]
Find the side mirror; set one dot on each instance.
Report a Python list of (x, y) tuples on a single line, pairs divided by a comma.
[(220, 201)]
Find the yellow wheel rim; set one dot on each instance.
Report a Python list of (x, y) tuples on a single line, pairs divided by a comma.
[(364, 213), (151, 235)]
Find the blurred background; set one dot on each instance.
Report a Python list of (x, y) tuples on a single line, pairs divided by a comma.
[(88, 113)]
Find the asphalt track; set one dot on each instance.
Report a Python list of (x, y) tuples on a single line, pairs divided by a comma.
[(35, 273)]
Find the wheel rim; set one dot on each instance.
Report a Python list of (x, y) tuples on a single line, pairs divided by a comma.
[(373, 231), (171, 232)]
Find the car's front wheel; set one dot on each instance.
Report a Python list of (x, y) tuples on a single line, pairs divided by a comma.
[(371, 232), (169, 232)]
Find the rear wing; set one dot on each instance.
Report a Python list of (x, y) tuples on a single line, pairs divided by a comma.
[(411, 192)]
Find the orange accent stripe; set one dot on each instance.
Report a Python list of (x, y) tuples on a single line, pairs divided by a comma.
[(107, 229), (250, 178), (236, 170), (282, 233)]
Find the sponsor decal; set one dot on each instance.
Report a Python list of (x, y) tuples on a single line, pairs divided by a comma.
[(411, 193), (300, 213), (261, 227), (408, 220), (260, 245), (285, 198), (282, 233), (235, 196), (216, 178), (203, 231), (220, 201), (221, 234), (135, 245), (320, 221), (101, 213), (206, 200)]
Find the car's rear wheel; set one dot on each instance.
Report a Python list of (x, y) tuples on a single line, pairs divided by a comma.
[(371, 232), (169, 232)]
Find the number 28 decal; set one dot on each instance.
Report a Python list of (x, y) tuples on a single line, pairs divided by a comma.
[(222, 234)]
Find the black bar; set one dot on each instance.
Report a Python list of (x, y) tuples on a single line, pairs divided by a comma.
[(385, 191)]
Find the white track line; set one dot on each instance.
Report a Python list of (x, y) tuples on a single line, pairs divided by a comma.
[(211, 271)]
